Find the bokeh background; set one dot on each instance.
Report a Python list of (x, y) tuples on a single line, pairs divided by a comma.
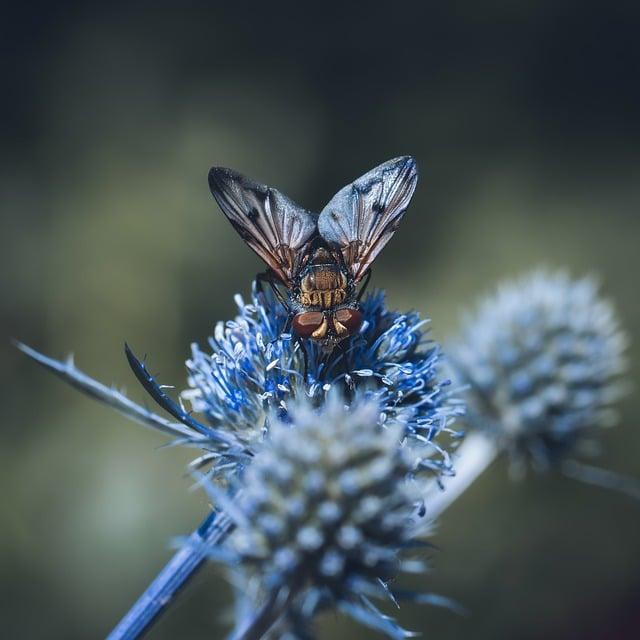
[(525, 119)]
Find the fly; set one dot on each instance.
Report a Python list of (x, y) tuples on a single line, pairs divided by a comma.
[(323, 261)]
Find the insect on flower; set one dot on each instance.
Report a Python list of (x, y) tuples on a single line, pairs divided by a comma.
[(323, 261)]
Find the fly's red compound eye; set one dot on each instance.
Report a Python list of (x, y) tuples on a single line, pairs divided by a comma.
[(350, 319), (306, 324)]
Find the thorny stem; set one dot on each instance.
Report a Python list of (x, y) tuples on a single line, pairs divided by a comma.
[(478, 451), (177, 572), (474, 455)]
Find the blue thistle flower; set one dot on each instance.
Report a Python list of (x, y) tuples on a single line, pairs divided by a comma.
[(253, 369), (323, 514), (542, 358), (248, 381)]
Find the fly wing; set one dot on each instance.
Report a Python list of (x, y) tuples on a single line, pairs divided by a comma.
[(272, 225), (361, 218)]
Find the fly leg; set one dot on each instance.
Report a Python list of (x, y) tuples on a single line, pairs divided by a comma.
[(288, 322), (269, 278), (365, 284), (299, 341), (272, 280)]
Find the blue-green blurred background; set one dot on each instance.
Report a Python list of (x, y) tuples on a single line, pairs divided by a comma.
[(525, 119)]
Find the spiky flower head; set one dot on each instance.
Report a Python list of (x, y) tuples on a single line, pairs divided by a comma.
[(253, 369), (325, 508), (542, 357)]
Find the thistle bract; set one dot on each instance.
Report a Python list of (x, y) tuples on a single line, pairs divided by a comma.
[(542, 358), (253, 369)]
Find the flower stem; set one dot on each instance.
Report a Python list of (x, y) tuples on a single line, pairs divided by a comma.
[(473, 456), (160, 593)]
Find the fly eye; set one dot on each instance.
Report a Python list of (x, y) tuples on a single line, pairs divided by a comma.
[(350, 318), (304, 324)]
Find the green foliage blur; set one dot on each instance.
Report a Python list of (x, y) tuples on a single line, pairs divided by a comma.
[(525, 120)]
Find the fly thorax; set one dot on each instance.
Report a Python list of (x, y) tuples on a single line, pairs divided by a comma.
[(323, 285)]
